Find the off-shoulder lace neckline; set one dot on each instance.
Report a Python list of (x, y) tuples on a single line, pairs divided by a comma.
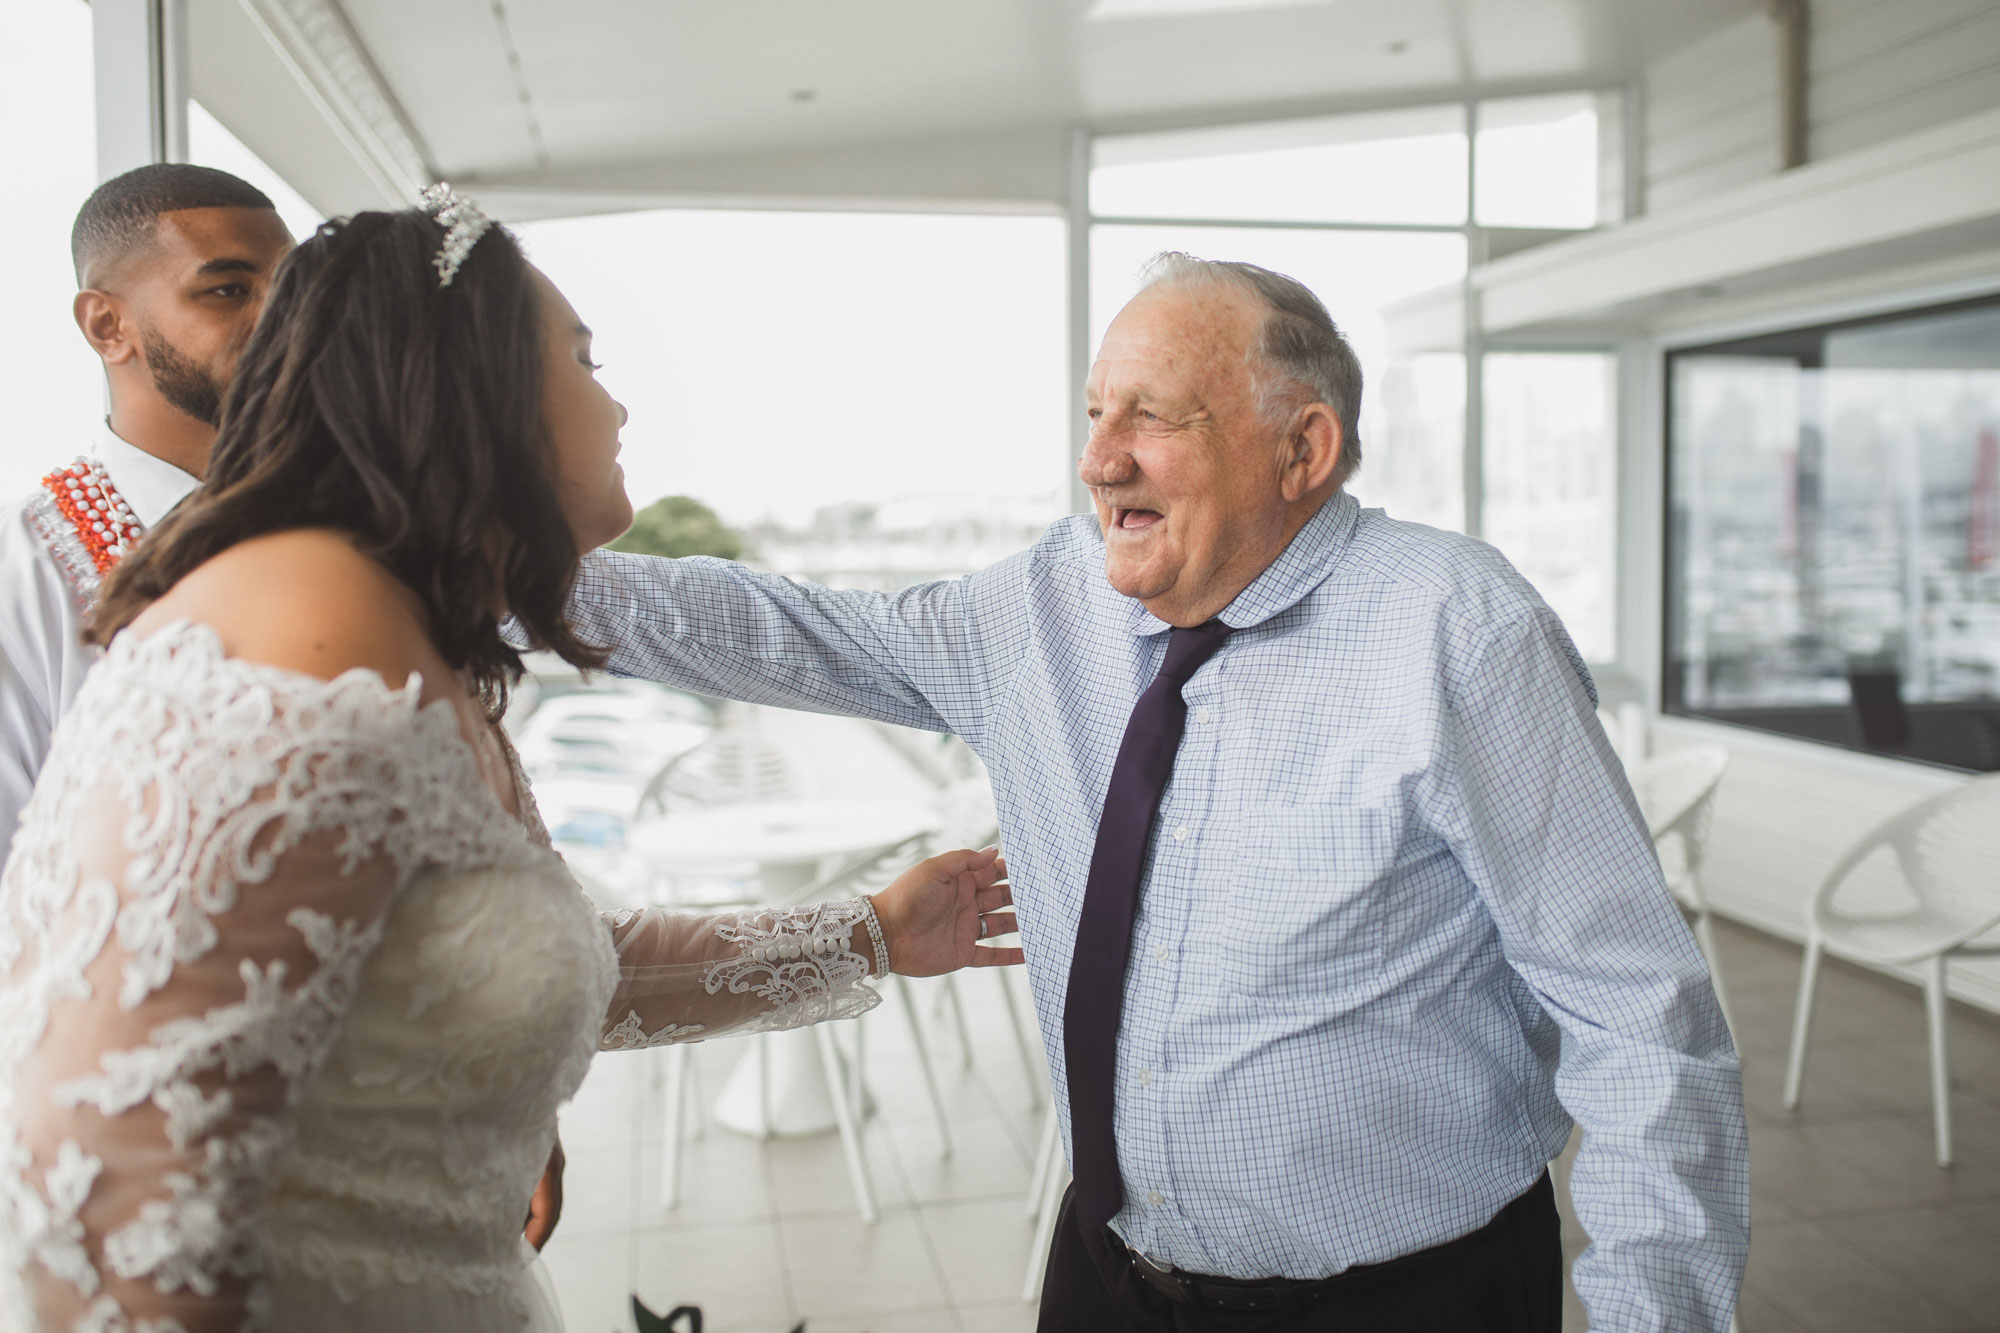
[(183, 635)]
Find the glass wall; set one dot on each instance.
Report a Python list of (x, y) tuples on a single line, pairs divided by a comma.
[(1384, 167), (866, 400), (49, 379), (1834, 540), (1551, 483), (1538, 162)]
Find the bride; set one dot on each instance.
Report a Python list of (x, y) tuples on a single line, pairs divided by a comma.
[(291, 984)]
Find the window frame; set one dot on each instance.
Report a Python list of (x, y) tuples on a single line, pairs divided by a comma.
[(1769, 337)]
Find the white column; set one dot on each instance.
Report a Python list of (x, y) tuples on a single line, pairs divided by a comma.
[(140, 60), (1076, 212), (1474, 467)]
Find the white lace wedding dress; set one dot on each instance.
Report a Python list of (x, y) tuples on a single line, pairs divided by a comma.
[(289, 1000)]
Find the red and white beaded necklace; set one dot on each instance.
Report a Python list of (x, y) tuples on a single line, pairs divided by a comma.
[(104, 523)]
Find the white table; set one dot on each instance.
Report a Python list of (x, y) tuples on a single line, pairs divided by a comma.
[(786, 841)]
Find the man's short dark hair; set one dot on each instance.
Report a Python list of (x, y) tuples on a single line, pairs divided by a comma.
[(119, 217)]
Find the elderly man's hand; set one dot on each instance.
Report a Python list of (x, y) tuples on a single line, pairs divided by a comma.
[(545, 1209), (936, 914)]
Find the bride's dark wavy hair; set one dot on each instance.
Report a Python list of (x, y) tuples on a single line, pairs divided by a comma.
[(372, 400)]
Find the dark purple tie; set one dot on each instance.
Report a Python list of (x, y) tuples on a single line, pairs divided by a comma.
[(1110, 900)]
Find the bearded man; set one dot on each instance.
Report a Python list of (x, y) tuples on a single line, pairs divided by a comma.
[(173, 262)]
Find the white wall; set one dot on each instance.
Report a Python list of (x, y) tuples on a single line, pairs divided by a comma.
[(1711, 115), (1879, 69)]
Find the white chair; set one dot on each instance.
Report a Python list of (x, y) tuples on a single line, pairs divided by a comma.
[(857, 873), (970, 820), (736, 764), (1676, 792), (1627, 729), (1932, 870)]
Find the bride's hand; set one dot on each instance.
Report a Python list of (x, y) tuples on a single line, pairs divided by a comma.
[(937, 912)]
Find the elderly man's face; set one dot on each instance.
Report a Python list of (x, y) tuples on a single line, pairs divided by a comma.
[(1188, 476)]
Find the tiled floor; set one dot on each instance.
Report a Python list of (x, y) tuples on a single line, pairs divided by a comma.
[(1855, 1227), (767, 1234)]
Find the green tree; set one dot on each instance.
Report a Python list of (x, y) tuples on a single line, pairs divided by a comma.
[(678, 525)]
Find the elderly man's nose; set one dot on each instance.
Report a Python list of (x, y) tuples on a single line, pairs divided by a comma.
[(624, 416), (1104, 464)]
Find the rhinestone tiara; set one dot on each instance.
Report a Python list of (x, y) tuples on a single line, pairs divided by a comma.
[(463, 223)]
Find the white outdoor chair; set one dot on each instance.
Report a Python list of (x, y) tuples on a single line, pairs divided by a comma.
[(858, 873), (738, 763), (970, 820), (1626, 727), (1676, 792), (1935, 863), (735, 765), (965, 802)]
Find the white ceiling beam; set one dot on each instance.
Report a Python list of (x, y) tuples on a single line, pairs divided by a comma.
[(314, 41)]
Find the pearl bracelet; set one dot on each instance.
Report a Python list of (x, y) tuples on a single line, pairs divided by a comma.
[(874, 924)]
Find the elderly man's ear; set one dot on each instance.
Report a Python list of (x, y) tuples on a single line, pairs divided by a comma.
[(1313, 453)]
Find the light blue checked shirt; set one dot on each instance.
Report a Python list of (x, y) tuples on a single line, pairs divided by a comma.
[(1401, 918)]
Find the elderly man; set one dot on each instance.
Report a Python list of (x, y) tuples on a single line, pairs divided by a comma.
[(1335, 904)]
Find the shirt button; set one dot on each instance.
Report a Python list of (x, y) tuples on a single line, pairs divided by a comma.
[(1161, 952), (1145, 1077), (1204, 714), (1181, 833), (1155, 1198)]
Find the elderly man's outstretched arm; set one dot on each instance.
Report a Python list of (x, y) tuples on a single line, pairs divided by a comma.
[(922, 658)]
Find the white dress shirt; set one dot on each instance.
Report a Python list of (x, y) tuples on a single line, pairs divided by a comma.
[(42, 654)]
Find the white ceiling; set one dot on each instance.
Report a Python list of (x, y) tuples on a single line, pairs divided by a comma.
[(939, 100)]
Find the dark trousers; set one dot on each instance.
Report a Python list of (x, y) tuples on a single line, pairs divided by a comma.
[(1506, 1277)]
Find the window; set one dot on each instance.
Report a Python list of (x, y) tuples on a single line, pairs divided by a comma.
[(871, 400), (1551, 483), (1538, 162), (1393, 166), (49, 379), (1833, 560), (1413, 440)]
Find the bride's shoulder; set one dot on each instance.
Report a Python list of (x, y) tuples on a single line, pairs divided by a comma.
[(306, 600)]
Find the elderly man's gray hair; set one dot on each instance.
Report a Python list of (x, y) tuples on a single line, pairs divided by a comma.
[(1300, 355)]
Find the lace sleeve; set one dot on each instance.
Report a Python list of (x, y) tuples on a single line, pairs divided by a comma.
[(201, 875), (683, 976)]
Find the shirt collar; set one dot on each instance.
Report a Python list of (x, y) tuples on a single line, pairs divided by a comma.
[(1302, 566), (151, 486)]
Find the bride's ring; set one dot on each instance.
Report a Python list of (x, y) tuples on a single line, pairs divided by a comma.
[(982, 928)]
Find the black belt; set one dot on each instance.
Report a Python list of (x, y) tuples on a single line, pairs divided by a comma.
[(1225, 1293)]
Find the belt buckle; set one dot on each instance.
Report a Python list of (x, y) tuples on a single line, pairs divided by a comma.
[(1163, 1280)]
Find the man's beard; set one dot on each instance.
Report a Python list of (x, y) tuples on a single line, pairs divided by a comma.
[(181, 382)]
